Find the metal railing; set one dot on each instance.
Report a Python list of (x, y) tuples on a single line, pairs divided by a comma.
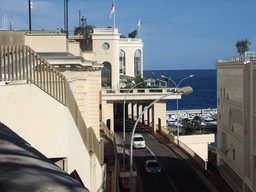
[(19, 63), (247, 57), (137, 91)]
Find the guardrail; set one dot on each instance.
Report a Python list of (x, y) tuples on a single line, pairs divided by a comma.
[(19, 63), (193, 154)]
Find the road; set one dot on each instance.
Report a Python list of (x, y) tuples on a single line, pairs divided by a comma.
[(176, 175)]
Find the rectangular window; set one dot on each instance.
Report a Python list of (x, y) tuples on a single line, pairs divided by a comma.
[(234, 154)]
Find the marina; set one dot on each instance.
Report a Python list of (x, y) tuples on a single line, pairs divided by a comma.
[(208, 118)]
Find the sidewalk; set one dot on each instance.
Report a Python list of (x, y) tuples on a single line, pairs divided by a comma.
[(214, 181)]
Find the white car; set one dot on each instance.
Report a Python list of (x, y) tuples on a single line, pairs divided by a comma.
[(138, 141), (152, 166)]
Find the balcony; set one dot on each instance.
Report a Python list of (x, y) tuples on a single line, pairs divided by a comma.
[(247, 57)]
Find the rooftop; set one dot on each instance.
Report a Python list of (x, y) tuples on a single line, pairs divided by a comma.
[(247, 57)]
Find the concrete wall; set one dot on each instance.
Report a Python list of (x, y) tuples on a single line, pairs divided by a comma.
[(108, 113), (86, 89), (159, 111), (236, 123), (46, 42), (49, 127), (74, 48), (12, 38), (198, 143)]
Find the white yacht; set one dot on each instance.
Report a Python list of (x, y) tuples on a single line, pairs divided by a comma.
[(210, 123)]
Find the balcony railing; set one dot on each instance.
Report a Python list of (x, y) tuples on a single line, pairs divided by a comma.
[(137, 91), (247, 57), (21, 63)]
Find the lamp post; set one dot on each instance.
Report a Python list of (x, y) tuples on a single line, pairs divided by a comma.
[(83, 22), (177, 87), (186, 91), (124, 121), (11, 26)]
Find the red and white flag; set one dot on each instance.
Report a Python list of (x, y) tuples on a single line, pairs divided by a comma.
[(112, 9)]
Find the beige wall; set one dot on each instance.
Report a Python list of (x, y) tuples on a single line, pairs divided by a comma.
[(111, 56), (108, 113), (86, 89), (236, 123), (159, 111), (12, 37), (89, 56), (198, 143), (74, 48), (47, 43), (49, 127)]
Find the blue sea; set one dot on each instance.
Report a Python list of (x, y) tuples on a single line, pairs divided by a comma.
[(204, 84)]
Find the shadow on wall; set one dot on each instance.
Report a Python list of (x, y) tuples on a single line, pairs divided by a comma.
[(23, 168)]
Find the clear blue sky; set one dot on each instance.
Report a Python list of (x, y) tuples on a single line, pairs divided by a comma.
[(181, 34)]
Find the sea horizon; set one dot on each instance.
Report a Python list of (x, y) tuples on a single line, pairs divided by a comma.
[(203, 82)]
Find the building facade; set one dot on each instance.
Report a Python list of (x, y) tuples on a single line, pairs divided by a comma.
[(66, 124), (236, 93)]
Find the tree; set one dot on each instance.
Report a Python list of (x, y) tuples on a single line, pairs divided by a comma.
[(133, 34), (242, 46), (167, 80), (139, 79)]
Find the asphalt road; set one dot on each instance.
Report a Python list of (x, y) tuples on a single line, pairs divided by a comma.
[(176, 175)]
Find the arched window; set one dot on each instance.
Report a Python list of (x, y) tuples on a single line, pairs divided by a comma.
[(106, 75), (121, 62), (137, 62)]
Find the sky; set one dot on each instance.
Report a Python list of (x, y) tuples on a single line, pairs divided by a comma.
[(177, 34)]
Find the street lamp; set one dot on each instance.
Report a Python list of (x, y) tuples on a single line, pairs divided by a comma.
[(83, 22), (11, 26), (184, 90), (124, 121), (177, 87)]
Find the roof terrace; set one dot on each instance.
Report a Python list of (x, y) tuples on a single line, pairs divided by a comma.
[(247, 57)]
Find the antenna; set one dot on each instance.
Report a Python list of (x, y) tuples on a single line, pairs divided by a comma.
[(66, 17)]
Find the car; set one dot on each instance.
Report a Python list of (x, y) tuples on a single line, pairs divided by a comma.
[(138, 141), (152, 166)]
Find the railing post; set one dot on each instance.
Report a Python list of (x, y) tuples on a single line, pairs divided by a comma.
[(8, 63), (16, 64), (23, 62)]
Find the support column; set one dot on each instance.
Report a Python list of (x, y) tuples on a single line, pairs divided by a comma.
[(132, 111), (129, 110), (137, 111), (143, 116)]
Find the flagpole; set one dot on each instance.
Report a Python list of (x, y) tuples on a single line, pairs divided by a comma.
[(114, 15), (139, 28)]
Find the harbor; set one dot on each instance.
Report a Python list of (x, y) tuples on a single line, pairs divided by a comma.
[(197, 112), (208, 118)]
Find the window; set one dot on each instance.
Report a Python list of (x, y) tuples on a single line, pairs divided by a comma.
[(121, 62), (137, 62), (105, 46), (106, 75)]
